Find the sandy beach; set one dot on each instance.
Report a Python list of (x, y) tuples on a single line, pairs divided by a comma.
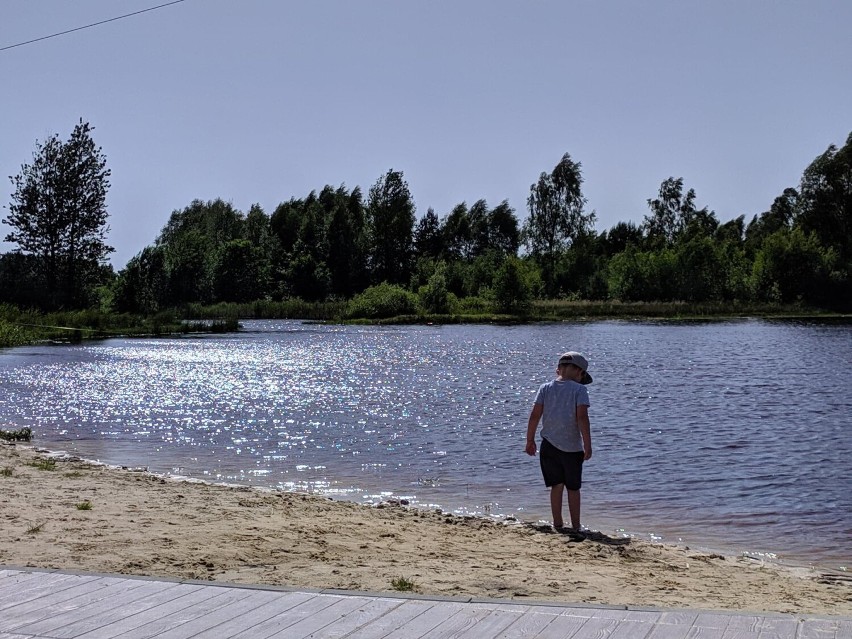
[(142, 524)]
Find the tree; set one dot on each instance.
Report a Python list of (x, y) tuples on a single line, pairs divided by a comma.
[(503, 232), (674, 215), (346, 257), (556, 215), (434, 297), (825, 200), (512, 290), (58, 214), (427, 236), (390, 215), (457, 233), (793, 266), (142, 285), (193, 241)]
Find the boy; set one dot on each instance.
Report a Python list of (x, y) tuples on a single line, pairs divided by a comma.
[(562, 405)]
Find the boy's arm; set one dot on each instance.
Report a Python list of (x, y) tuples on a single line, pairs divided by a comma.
[(535, 416), (585, 430)]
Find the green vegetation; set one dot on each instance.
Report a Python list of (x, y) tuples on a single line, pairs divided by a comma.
[(44, 464), (335, 255), (21, 435), (403, 584), (36, 528), (84, 505), (18, 327), (7, 471)]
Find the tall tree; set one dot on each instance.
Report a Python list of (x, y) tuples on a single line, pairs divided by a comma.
[(457, 233), (390, 214), (503, 232), (58, 214), (345, 258), (556, 214), (825, 200), (427, 236), (674, 215)]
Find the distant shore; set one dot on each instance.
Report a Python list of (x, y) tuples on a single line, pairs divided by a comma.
[(76, 515)]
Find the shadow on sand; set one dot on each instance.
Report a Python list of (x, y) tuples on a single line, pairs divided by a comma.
[(583, 535)]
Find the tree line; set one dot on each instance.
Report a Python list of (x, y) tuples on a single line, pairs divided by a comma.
[(338, 244)]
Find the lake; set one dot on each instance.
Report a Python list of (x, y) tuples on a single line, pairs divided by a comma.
[(733, 436)]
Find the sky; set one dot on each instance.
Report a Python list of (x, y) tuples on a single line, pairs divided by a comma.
[(260, 101)]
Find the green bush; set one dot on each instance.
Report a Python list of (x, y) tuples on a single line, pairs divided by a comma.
[(434, 298), (382, 301), (512, 293)]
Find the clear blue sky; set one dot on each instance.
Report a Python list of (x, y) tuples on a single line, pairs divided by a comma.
[(258, 101)]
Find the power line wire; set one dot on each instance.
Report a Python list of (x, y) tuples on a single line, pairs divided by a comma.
[(94, 24)]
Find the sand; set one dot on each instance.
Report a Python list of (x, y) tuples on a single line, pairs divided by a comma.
[(143, 524)]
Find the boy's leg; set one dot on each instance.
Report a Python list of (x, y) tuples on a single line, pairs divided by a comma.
[(573, 507), (556, 504)]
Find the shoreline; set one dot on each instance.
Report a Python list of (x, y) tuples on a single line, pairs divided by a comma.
[(141, 523), (619, 529)]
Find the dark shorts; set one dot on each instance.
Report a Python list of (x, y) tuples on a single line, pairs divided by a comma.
[(559, 467)]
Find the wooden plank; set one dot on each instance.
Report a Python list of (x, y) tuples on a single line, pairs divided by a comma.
[(563, 627), (599, 627), (844, 628), (604, 613), (16, 594), (395, 618), (818, 629), (64, 606), (436, 614), (188, 596), (353, 622), (315, 624), (480, 622), (752, 623), (170, 624), (114, 608), (712, 620), (530, 624), (779, 628), (648, 616), (674, 631), (63, 624), (631, 629), (270, 604), (223, 611), (15, 574), (697, 632), (740, 633), (53, 603), (288, 616), (678, 618)]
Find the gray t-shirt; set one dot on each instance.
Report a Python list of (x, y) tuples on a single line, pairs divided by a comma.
[(560, 399)]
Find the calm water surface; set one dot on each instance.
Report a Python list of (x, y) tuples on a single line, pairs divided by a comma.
[(735, 436)]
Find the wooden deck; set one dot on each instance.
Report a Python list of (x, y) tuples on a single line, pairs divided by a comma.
[(48, 604)]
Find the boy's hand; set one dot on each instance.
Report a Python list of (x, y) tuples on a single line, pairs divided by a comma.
[(587, 453), (531, 447)]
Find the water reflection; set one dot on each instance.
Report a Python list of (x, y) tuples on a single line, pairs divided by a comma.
[(731, 433)]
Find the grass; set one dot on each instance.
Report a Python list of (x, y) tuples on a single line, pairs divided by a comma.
[(44, 464), (84, 505), (22, 326), (36, 528), (402, 584), (73, 474), (6, 472)]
